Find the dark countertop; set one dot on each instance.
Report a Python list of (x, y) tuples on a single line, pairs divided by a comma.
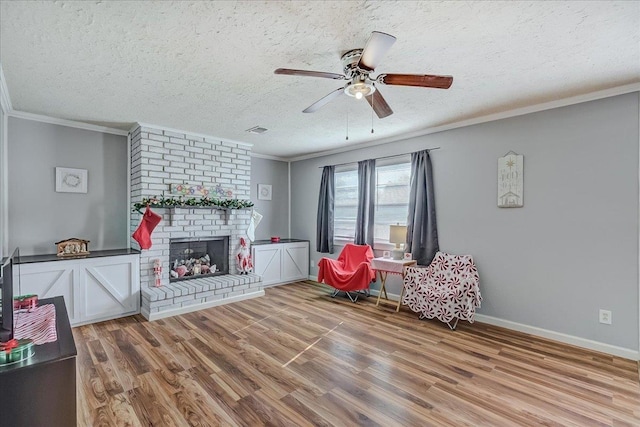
[(63, 348), (93, 254), (269, 242)]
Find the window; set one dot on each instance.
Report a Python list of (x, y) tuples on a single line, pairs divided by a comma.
[(391, 200), (345, 208)]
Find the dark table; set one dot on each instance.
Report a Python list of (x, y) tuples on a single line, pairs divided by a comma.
[(41, 391)]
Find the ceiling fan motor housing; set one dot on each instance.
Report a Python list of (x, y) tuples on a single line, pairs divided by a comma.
[(360, 84), (350, 61)]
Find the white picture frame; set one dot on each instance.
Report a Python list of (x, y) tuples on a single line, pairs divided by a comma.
[(407, 256), (69, 180), (264, 191), (386, 254)]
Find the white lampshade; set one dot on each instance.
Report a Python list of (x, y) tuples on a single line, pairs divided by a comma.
[(397, 234)]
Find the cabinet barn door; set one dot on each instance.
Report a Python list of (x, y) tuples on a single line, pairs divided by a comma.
[(50, 279), (110, 289), (295, 261), (267, 261)]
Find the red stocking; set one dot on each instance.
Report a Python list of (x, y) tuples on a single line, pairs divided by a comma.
[(147, 224)]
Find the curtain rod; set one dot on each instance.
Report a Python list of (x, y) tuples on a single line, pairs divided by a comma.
[(384, 157)]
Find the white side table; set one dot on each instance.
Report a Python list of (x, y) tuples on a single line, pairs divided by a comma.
[(386, 266)]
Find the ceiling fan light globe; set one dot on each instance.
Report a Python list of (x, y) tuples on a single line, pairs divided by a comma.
[(360, 89)]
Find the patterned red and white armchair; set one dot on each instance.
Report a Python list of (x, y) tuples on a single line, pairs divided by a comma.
[(447, 289)]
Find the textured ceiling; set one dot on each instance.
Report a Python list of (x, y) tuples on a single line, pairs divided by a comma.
[(207, 67)]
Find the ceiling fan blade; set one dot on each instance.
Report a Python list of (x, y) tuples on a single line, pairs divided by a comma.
[(379, 105), (377, 45), (322, 102), (290, 72), (421, 80)]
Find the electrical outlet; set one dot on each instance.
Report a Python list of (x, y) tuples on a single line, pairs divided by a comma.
[(605, 316), (312, 263)]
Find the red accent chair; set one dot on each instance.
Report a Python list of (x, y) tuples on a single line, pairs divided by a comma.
[(351, 272)]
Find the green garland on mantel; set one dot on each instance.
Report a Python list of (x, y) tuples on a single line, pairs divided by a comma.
[(191, 202)]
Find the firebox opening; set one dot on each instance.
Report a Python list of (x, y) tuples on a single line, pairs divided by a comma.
[(198, 257)]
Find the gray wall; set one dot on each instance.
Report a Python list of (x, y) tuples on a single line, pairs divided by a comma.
[(275, 211), (38, 216), (571, 250)]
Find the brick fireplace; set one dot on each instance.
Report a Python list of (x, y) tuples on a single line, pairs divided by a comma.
[(160, 158)]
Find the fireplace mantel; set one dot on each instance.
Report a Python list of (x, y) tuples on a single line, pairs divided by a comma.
[(172, 210)]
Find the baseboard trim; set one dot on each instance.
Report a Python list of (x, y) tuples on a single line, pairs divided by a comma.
[(105, 318), (196, 307), (544, 333), (558, 336)]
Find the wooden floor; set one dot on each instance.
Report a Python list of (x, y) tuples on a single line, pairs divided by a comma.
[(297, 357)]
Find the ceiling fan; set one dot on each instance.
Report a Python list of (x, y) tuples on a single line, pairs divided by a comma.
[(358, 64)]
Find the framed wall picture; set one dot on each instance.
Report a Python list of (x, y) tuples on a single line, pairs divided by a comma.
[(70, 180), (264, 191)]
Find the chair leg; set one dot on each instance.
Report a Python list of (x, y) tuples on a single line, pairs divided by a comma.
[(350, 297), (453, 327), (335, 292)]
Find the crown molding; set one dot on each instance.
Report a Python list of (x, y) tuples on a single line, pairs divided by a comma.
[(268, 157), (593, 96), (64, 122), (5, 99), (200, 135)]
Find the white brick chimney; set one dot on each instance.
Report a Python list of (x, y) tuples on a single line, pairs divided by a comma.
[(160, 158)]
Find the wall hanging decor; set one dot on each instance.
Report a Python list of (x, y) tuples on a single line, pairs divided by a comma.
[(264, 191), (510, 180), (70, 180)]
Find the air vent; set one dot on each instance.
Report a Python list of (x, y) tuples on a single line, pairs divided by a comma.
[(257, 129)]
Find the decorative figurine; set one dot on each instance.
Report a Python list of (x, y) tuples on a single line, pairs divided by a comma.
[(157, 271), (245, 264), (196, 268), (72, 247)]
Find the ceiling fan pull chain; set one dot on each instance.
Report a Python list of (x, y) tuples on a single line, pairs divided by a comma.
[(373, 99), (347, 138)]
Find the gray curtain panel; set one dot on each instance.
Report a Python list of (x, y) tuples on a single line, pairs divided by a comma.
[(324, 229), (366, 199), (422, 233)]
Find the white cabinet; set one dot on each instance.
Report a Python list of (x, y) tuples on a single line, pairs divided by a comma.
[(279, 263), (94, 289), (267, 263)]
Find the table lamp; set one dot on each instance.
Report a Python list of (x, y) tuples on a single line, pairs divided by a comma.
[(398, 235)]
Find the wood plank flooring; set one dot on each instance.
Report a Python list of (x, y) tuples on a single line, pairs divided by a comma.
[(297, 357)]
